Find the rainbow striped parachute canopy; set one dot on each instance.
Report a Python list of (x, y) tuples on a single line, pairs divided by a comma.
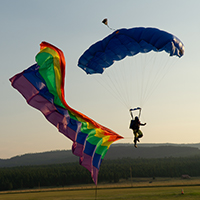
[(42, 85)]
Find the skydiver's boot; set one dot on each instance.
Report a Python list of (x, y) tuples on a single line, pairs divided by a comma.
[(135, 142)]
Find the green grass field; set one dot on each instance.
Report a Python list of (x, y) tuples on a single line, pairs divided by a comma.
[(139, 189)]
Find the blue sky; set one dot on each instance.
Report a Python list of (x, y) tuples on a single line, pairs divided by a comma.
[(173, 111)]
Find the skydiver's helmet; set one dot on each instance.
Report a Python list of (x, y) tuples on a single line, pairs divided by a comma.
[(136, 119)]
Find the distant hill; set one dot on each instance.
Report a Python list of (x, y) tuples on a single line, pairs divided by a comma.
[(115, 151), (195, 145), (45, 158), (144, 151)]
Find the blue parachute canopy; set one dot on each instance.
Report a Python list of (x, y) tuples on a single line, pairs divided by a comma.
[(128, 42)]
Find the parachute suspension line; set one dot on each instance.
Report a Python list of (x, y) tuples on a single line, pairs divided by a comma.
[(169, 64), (109, 90), (106, 83), (146, 74), (154, 75), (161, 78), (136, 80), (138, 67), (130, 84), (128, 80), (118, 80), (105, 21), (143, 77), (117, 86), (150, 62), (123, 82), (133, 81), (159, 68)]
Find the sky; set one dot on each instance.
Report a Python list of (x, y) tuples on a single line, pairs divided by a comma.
[(173, 111)]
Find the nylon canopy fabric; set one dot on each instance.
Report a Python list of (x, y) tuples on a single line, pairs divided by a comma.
[(42, 85), (128, 42)]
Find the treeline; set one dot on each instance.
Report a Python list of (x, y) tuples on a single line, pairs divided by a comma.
[(110, 171), (116, 151)]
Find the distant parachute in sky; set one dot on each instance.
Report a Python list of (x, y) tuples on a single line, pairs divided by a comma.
[(128, 42), (42, 85)]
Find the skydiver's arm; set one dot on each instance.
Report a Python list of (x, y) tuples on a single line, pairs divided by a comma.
[(143, 124)]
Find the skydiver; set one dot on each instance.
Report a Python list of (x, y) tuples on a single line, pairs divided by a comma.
[(135, 126)]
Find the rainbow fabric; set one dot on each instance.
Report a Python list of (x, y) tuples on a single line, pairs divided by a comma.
[(42, 85)]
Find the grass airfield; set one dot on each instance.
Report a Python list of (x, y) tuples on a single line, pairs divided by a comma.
[(138, 188)]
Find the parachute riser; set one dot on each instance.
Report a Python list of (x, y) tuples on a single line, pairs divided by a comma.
[(134, 109)]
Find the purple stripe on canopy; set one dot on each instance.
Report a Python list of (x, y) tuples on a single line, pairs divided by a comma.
[(31, 94), (77, 149)]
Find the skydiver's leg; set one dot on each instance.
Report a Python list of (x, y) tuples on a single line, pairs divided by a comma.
[(140, 134), (135, 138)]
